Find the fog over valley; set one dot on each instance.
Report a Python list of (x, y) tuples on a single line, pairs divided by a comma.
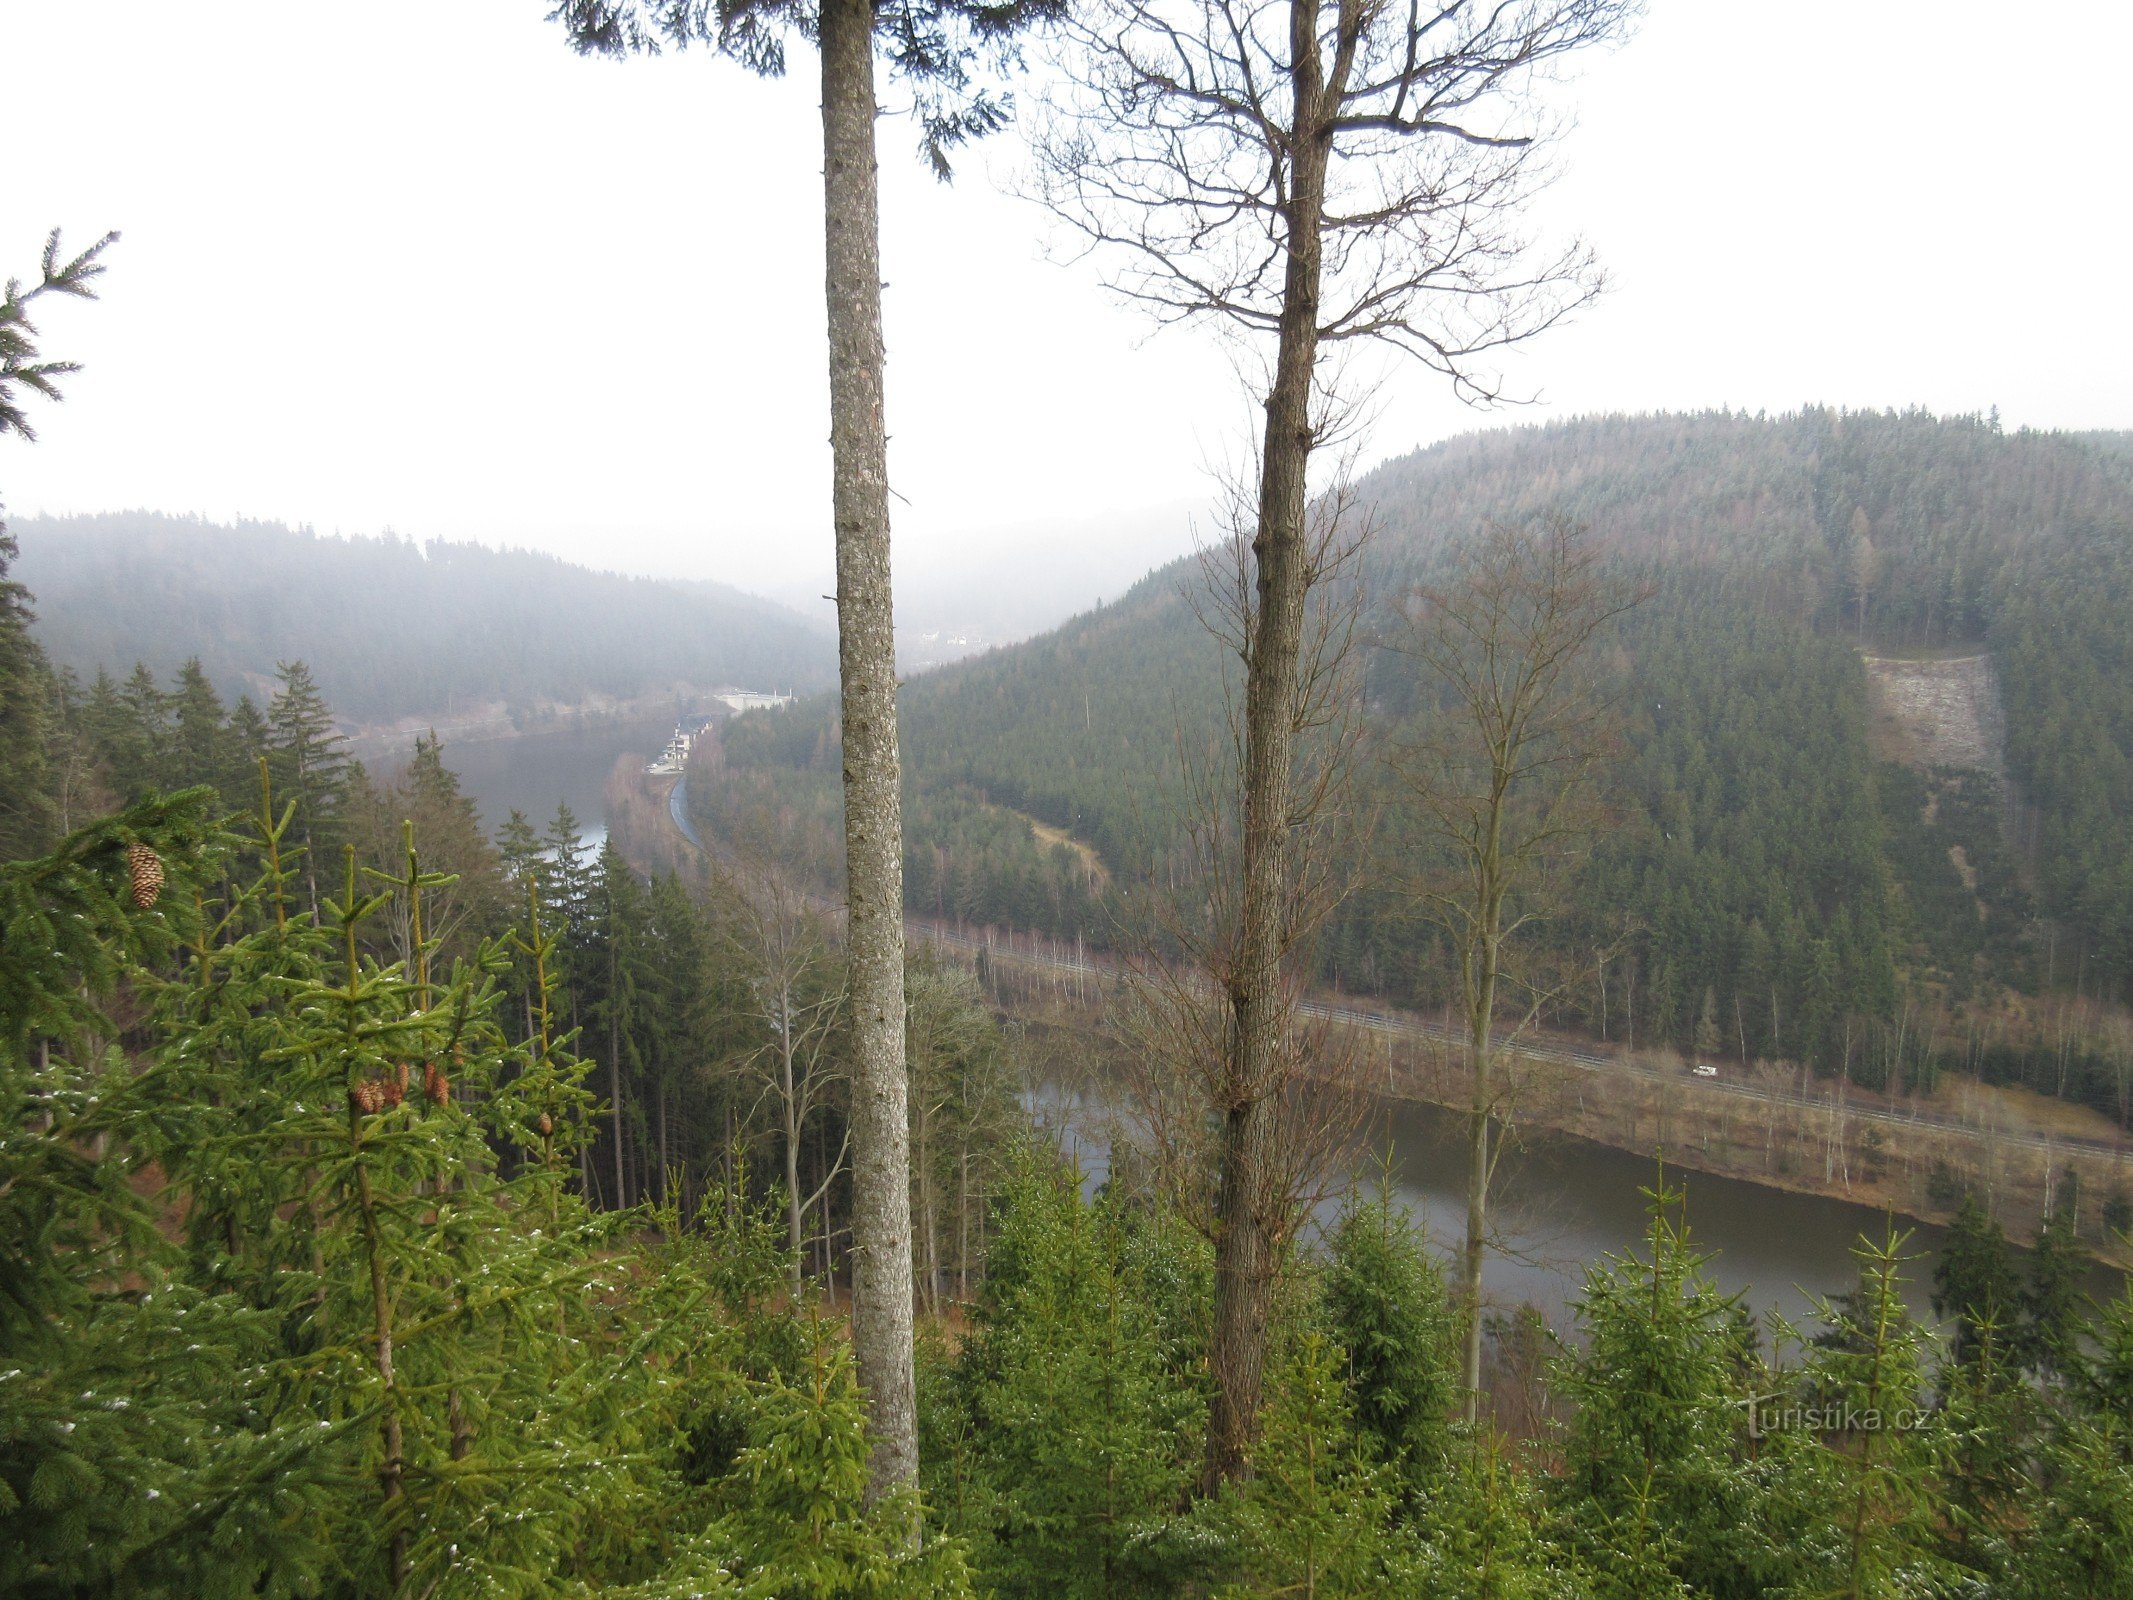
[(1090, 799)]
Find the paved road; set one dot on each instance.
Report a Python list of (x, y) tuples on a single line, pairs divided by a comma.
[(1045, 955), (678, 809), (1404, 1025)]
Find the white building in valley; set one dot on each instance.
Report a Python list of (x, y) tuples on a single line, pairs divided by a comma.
[(751, 700)]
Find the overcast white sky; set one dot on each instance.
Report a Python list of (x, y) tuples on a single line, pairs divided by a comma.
[(411, 264)]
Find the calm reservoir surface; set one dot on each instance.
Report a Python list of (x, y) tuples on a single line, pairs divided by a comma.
[(1562, 1202), (534, 772)]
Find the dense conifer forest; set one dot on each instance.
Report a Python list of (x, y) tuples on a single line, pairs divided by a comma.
[(1778, 885), (390, 1209), (395, 1207), (392, 629)]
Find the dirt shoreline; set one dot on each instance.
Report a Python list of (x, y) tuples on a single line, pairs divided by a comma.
[(495, 720), (1846, 1145)]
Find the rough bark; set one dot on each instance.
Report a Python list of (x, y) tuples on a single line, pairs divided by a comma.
[(1246, 1227), (1481, 1012), (391, 1469), (873, 824), (614, 1068), (789, 1100)]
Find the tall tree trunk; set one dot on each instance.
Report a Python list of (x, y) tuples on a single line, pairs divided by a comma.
[(962, 1223), (1481, 1016), (391, 1469), (614, 1073), (929, 1210), (873, 823), (1246, 1227), (310, 851), (793, 1219)]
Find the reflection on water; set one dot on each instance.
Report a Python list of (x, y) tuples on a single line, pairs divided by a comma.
[(1562, 1203), (1565, 1202), (534, 772)]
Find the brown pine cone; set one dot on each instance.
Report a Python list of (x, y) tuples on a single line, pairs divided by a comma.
[(546, 1125), (367, 1096), (145, 869)]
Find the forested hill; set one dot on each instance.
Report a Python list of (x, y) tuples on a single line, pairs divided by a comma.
[(1900, 531), (392, 629), (1792, 886), (1918, 516)]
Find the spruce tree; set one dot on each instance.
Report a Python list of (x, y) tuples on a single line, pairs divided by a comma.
[(618, 946), (1659, 1478), (2077, 1509), (246, 740), (337, 1123), (1387, 1309), (25, 698), (676, 999), (1071, 1424), (1974, 1283), (1319, 1514), (802, 1527), (1984, 1436), (199, 750), (1489, 1532), (2053, 1299), (1864, 1378), (310, 767), (138, 1450), (22, 363), (522, 852), (111, 729), (146, 710), (2080, 1516), (473, 902)]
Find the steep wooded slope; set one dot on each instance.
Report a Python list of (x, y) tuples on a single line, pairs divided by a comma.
[(1783, 878), (392, 629)]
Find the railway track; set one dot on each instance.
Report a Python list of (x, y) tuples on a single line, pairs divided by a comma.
[(1045, 955), (1405, 1025)]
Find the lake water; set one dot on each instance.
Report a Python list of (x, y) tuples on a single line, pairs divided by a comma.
[(1561, 1202), (534, 772)]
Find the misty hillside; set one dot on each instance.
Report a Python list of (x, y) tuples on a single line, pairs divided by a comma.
[(1023, 579), (1939, 518), (1792, 853), (1911, 516), (391, 629)]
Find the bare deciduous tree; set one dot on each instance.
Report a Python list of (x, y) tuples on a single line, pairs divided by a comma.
[(1511, 730), (1313, 173), (963, 1086), (797, 999), (1244, 1159)]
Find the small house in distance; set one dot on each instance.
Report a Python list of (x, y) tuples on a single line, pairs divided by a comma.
[(674, 758)]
